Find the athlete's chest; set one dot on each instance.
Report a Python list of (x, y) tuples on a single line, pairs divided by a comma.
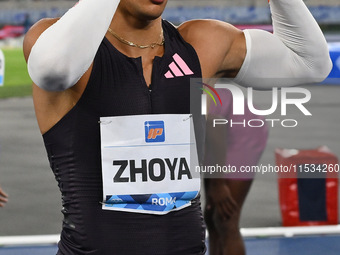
[(144, 85)]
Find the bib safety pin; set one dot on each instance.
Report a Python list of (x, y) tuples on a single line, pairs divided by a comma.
[(190, 116)]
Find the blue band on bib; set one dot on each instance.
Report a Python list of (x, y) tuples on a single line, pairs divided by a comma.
[(161, 202)]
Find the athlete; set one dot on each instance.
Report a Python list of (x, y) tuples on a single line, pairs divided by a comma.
[(109, 58), (3, 198), (244, 147)]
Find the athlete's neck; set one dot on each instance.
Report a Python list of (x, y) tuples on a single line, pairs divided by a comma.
[(141, 32)]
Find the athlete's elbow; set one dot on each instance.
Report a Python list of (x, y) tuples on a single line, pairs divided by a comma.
[(322, 61), (322, 68), (327, 67), (49, 76), (53, 82)]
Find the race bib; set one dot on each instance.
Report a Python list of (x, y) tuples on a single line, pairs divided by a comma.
[(148, 163)]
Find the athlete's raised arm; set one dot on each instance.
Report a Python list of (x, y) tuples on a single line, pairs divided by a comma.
[(295, 53), (59, 52)]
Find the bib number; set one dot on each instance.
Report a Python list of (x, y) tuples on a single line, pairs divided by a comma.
[(148, 163)]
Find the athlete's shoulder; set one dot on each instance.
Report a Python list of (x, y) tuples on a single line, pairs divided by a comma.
[(207, 29), (213, 41), (34, 32)]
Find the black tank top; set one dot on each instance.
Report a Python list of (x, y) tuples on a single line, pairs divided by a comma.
[(116, 88)]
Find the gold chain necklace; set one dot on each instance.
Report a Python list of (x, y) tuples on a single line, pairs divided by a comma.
[(152, 45)]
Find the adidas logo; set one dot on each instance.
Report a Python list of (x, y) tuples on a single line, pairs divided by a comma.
[(178, 68)]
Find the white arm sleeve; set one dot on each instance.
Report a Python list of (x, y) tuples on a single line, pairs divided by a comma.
[(297, 52), (65, 51)]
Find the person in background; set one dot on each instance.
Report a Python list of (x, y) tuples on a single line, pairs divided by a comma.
[(27, 23), (3, 198), (244, 147)]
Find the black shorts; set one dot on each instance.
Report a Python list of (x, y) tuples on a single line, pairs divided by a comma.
[(120, 233)]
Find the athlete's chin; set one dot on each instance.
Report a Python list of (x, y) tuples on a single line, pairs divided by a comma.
[(151, 16), (148, 9), (152, 13)]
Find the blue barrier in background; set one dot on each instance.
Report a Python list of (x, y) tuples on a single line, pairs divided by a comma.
[(334, 76)]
